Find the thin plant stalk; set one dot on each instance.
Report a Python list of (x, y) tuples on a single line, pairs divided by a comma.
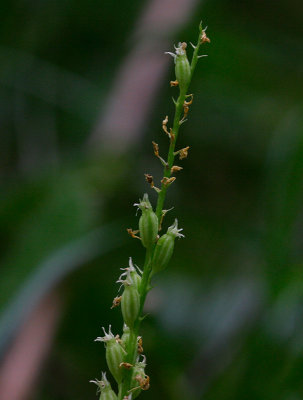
[(126, 351)]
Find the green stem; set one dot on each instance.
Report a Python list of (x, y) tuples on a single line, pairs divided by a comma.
[(171, 156), (195, 56), (131, 347), (176, 127), (145, 283), (133, 335)]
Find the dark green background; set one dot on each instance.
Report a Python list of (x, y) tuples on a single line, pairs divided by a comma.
[(226, 317)]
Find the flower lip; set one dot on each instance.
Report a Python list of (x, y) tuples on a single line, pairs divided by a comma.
[(173, 230), (144, 204), (103, 383), (180, 50), (107, 336), (141, 363)]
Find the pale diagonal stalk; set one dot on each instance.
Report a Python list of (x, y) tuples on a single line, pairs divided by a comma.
[(131, 347)]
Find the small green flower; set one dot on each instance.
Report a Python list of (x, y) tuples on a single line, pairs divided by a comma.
[(165, 247), (182, 66), (130, 301), (105, 389), (148, 223), (114, 353)]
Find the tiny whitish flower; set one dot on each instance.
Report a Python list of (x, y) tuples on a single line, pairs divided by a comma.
[(114, 353), (104, 387), (130, 300), (165, 247), (132, 275), (182, 67), (148, 223)]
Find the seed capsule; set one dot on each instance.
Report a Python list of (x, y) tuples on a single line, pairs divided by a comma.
[(182, 67), (130, 305), (105, 388), (148, 223), (165, 247), (130, 300), (114, 354)]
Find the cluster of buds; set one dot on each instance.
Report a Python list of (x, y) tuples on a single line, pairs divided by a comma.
[(115, 356), (131, 280), (117, 348), (124, 355), (163, 248)]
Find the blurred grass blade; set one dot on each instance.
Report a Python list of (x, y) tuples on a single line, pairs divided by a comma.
[(284, 192), (52, 271)]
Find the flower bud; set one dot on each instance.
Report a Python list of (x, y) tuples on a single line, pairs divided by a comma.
[(114, 353), (130, 300), (165, 247), (182, 67), (148, 223), (125, 336), (105, 388), (138, 372), (130, 305)]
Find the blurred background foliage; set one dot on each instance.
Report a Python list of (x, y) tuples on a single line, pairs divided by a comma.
[(225, 319)]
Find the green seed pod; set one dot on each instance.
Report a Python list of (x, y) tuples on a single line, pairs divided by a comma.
[(182, 67), (165, 248), (130, 304), (138, 372), (108, 395), (105, 388), (114, 354), (148, 223)]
